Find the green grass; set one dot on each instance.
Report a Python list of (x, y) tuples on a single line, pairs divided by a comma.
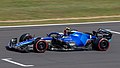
[(45, 9)]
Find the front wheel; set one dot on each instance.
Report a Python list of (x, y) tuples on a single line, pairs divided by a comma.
[(25, 37), (40, 46), (101, 44)]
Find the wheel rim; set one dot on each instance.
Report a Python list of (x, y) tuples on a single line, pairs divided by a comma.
[(103, 45), (41, 46)]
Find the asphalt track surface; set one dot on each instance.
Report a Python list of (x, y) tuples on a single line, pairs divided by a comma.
[(53, 59)]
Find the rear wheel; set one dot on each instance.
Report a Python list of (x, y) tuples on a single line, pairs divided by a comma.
[(25, 37), (40, 46), (101, 44)]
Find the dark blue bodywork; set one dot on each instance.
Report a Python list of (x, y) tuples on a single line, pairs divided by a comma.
[(78, 39)]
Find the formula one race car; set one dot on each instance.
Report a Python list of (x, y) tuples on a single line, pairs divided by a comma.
[(74, 40)]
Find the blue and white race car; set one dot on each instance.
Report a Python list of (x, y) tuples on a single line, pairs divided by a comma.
[(74, 40)]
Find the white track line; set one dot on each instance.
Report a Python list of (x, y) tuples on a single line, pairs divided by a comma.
[(113, 31), (60, 24), (16, 63)]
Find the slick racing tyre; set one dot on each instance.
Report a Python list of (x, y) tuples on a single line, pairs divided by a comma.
[(25, 37), (40, 46), (101, 44)]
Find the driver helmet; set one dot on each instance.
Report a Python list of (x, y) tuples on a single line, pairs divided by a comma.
[(67, 28)]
